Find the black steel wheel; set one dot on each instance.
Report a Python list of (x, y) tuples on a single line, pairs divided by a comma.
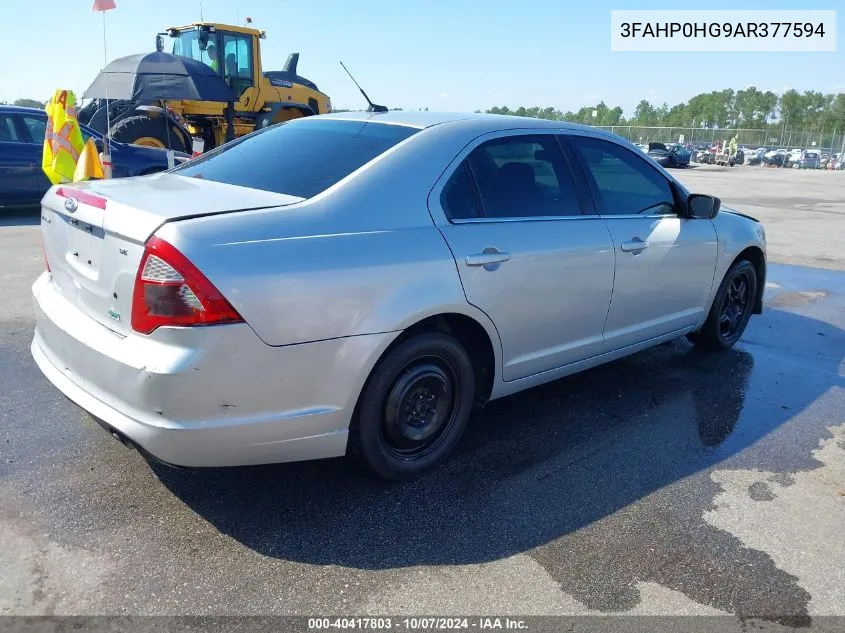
[(420, 408), (414, 407), (731, 310)]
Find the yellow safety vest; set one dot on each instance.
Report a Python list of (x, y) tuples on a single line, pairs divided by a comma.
[(63, 139)]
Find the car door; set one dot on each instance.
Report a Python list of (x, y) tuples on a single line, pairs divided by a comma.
[(36, 128), (17, 165), (527, 254), (237, 68), (665, 263)]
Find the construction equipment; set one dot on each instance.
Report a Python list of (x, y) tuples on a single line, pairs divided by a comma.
[(234, 52)]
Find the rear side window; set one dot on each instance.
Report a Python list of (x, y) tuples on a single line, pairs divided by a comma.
[(512, 177), (524, 176), (299, 159), (460, 196), (8, 130)]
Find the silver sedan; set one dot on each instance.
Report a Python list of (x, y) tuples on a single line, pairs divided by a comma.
[(358, 283)]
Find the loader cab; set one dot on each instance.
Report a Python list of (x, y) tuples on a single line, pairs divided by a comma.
[(231, 52)]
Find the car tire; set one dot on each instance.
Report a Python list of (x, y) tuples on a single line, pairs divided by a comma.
[(732, 308), (414, 408)]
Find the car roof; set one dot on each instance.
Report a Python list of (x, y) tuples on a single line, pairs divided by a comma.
[(13, 109), (422, 120)]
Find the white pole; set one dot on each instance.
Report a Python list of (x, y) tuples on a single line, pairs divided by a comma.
[(106, 148)]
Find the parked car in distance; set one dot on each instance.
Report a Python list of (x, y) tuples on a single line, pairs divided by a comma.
[(791, 157), (23, 183), (773, 158), (754, 157), (669, 156), (356, 283), (807, 160), (703, 154)]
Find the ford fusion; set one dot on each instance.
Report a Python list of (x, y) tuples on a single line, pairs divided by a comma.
[(355, 284)]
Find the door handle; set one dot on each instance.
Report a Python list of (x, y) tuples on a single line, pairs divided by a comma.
[(634, 246), (487, 258)]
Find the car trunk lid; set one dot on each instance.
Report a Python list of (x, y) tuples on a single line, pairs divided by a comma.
[(94, 232)]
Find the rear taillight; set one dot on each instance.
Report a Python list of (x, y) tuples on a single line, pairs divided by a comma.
[(170, 290)]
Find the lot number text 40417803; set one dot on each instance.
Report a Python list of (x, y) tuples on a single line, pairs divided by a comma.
[(418, 623)]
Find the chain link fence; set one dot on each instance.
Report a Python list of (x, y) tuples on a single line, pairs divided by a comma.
[(825, 141)]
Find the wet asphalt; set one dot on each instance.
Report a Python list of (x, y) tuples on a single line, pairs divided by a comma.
[(670, 482)]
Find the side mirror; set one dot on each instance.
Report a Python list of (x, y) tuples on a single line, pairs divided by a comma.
[(703, 207), (159, 43), (202, 39)]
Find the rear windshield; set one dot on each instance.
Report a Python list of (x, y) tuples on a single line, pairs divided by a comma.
[(299, 159)]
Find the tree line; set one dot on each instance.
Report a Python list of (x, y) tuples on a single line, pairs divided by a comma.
[(720, 109), (26, 103), (748, 108)]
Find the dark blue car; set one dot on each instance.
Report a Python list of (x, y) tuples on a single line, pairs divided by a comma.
[(669, 155), (22, 183)]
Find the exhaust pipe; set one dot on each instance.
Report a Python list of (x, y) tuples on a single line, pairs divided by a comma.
[(128, 443)]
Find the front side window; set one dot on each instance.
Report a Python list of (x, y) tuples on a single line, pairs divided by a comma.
[(37, 128), (524, 176), (625, 183), (300, 158)]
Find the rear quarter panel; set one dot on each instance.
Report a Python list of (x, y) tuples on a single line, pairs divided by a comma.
[(299, 288), (363, 257)]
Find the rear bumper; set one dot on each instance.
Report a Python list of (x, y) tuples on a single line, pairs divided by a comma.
[(210, 396)]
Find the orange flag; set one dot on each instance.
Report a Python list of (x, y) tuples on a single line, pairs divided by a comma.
[(103, 5)]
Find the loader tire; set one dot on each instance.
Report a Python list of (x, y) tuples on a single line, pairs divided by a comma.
[(147, 132)]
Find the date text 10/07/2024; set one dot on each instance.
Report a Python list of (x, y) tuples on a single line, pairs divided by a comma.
[(418, 624)]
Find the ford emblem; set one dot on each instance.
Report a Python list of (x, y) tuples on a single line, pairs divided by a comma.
[(71, 205)]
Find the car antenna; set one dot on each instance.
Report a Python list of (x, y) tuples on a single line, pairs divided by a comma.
[(373, 107)]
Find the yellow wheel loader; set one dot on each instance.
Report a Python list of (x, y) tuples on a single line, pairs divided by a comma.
[(234, 52)]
